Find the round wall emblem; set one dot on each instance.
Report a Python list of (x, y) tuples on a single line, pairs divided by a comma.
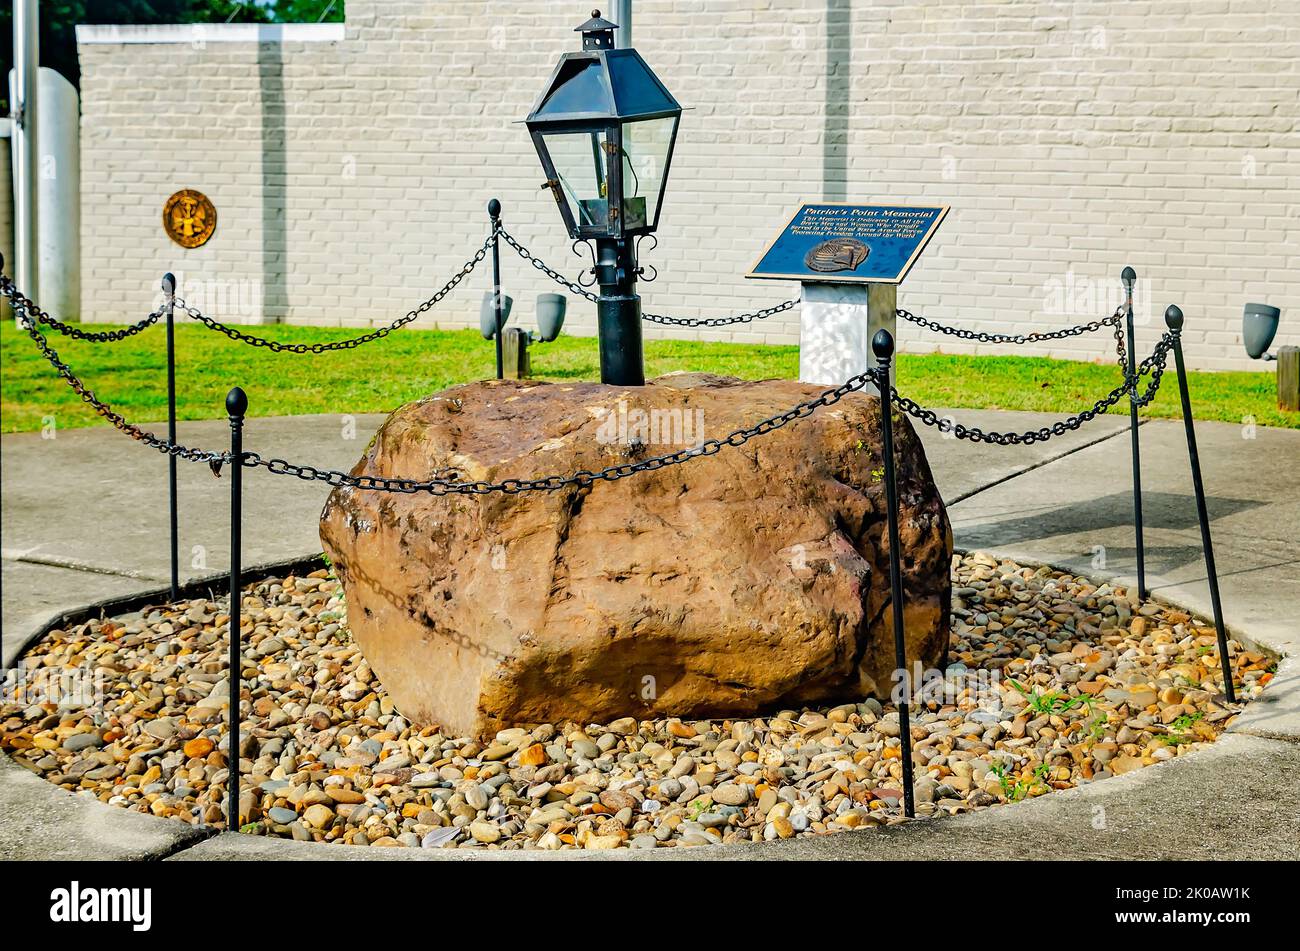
[(189, 218), (837, 254)]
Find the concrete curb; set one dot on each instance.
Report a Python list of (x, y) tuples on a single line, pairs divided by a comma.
[(125, 604), (39, 821)]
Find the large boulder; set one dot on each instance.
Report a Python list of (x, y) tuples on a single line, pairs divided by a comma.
[(752, 579)]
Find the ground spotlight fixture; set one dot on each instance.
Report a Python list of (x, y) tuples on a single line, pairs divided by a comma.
[(487, 314), (1258, 327), (550, 317), (516, 363)]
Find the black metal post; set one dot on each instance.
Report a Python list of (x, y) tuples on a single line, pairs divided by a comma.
[(1174, 320), (883, 347), (494, 212), (618, 314), (236, 407), (1129, 277), (169, 310)]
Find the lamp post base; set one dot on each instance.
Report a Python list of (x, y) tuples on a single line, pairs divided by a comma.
[(618, 321)]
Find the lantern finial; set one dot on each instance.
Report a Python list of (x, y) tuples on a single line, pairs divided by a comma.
[(597, 33)]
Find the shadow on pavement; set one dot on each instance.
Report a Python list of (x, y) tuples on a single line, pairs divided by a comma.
[(1161, 510)]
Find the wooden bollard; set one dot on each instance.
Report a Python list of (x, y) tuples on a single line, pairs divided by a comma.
[(1288, 379)]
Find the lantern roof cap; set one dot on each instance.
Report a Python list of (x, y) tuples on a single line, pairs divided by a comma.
[(597, 24), (603, 84)]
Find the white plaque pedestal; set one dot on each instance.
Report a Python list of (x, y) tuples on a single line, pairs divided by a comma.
[(836, 324)]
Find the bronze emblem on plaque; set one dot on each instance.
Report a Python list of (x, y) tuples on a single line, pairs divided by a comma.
[(837, 254), (189, 218)]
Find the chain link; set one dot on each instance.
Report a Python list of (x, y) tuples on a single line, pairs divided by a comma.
[(1153, 365), (575, 288), (20, 305), (448, 483), (27, 305), (583, 478), (1114, 321), (351, 344), (981, 336), (721, 321)]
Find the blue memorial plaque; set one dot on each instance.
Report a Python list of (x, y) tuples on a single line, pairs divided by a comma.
[(849, 244)]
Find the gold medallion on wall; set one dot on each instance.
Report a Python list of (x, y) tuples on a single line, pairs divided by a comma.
[(189, 218)]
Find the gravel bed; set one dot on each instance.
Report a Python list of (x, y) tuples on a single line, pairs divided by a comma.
[(1055, 681)]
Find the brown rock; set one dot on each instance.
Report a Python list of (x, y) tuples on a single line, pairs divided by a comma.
[(534, 755), (614, 800), (318, 816), (1125, 764), (747, 580), (200, 746)]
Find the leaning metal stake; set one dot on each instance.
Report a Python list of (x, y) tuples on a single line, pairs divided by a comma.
[(1129, 277), (169, 310), (236, 407), (1174, 320), (494, 212), (883, 347)]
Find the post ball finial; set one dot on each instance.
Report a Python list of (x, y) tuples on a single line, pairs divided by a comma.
[(1128, 276), (1174, 317), (169, 283), (882, 344), (236, 402), (494, 209)]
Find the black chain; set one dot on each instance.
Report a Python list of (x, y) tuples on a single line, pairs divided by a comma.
[(982, 337), (583, 478), (1154, 365), (1114, 321), (20, 305), (27, 305), (576, 288), (721, 321), (449, 484), (573, 287), (350, 344)]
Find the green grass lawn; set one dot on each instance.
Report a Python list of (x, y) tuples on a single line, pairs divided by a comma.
[(131, 375)]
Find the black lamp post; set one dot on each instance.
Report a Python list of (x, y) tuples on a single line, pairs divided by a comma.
[(604, 130)]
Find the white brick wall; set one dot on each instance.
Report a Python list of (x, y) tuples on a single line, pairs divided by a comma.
[(1071, 138)]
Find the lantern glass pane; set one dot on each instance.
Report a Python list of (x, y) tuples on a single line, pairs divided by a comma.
[(645, 163), (579, 88), (636, 91), (580, 165)]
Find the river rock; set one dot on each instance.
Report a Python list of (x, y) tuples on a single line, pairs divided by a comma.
[(751, 579)]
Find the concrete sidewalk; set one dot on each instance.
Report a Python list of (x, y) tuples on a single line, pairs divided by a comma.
[(57, 555), (1066, 502)]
